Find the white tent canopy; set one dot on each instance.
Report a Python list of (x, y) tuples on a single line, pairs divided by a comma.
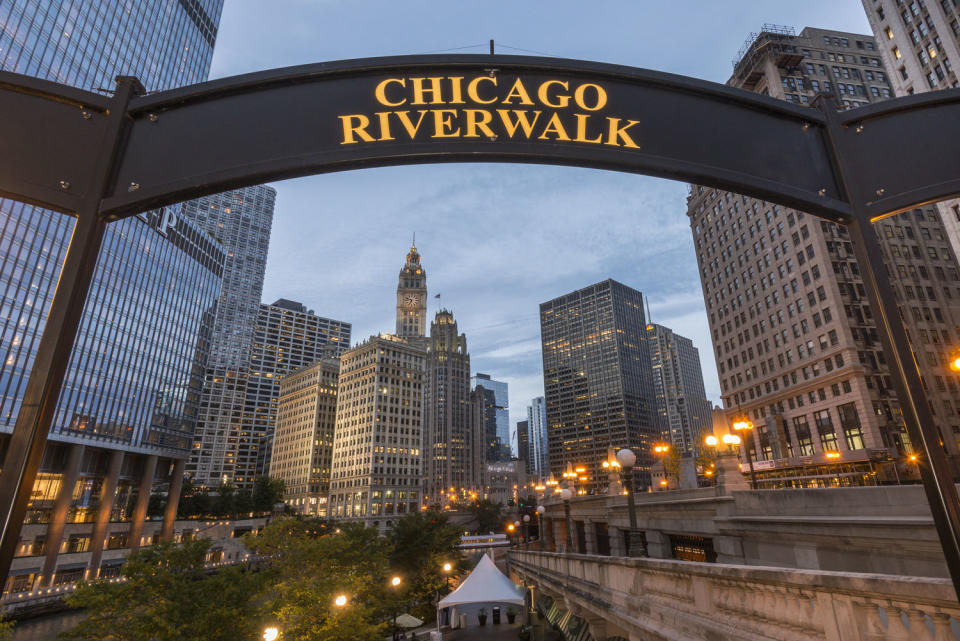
[(486, 584)]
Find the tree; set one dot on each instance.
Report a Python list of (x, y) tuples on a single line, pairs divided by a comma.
[(420, 544), (168, 595), (311, 565), (267, 491), (488, 514)]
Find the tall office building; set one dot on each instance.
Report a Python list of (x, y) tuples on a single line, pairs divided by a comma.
[(496, 430), (920, 43), (683, 410), (450, 442), (224, 448), (129, 402), (287, 336), (522, 437), (795, 342), (537, 420), (598, 381), (303, 440), (376, 465)]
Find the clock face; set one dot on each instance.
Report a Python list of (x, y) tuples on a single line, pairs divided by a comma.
[(411, 300)]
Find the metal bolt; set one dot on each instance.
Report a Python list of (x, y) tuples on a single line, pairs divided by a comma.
[(822, 192), (493, 137), (86, 114), (805, 126), (64, 184), (153, 117), (491, 72), (880, 193), (859, 129), (133, 187)]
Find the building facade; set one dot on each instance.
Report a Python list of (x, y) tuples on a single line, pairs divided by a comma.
[(451, 444), (130, 399), (683, 410), (598, 382), (522, 438), (496, 429), (920, 42), (539, 465), (287, 337), (303, 440), (225, 449), (376, 464), (796, 346)]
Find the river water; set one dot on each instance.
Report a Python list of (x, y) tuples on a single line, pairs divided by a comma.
[(47, 627)]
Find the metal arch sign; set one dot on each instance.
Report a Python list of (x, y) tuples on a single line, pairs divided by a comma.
[(103, 158), (325, 117)]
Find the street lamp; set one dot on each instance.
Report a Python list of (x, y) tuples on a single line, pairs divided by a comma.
[(744, 424), (271, 633), (540, 511), (627, 459), (340, 601), (447, 567), (395, 583), (526, 527), (565, 494)]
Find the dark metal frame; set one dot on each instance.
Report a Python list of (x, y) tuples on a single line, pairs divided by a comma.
[(102, 159)]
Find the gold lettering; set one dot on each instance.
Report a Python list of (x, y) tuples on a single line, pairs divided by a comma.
[(349, 129), (457, 87), (443, 120), (616, 133), (601, 97), (434, 91), (404, 117), (522, 121), (582, 129), (544, 96), (518, 91), (384, 126), (556, 127), (472, 89), (381, 91), (483, 124)]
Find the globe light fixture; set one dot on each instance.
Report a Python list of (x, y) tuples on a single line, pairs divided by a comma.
[(271, 634), (340, 601), (395, 581)]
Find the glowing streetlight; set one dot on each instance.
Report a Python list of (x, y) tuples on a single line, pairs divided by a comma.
[(395, 581), (447, 567), (340, 601), (712, 441), (744, 424), (271, 633)]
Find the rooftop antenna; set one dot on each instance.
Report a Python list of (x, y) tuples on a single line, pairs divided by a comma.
[(649, 316), (414, 239), (491, 46)]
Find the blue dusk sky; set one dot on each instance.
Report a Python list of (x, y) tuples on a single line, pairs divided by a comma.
[(497, 239)]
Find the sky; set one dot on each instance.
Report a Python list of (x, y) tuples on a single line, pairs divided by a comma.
[(497, 239)]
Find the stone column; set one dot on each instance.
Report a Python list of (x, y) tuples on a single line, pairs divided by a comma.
[(173, 501), (143, 501), (658, 545), (58, 518), (616, 542), (590, 537), (559, 534), (108, 494), (729, 478)]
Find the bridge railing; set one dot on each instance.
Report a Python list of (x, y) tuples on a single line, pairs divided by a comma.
[(659, 598)]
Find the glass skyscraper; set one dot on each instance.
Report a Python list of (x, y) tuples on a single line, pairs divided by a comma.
[(128, 407), (598, 381), (497, 416)]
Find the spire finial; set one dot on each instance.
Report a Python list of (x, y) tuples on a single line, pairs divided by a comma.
[(414, 244)]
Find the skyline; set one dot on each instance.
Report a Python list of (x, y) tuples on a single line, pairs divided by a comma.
[(538, 243)]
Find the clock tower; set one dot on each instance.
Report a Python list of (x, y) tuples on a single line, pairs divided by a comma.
[(412, 298)]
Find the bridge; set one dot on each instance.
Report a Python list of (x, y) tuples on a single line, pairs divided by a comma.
[(726, 562)]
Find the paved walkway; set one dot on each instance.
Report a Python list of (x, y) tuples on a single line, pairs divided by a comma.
[(489, 632)]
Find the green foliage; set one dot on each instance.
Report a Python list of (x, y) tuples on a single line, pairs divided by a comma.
[(168, 596), (420, 544), (267, 491), (671, 462), (489, 515), (6, 629), (310, 569)]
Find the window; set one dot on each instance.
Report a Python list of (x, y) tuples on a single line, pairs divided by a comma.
[(825, 429), (802, 431), (850, 423)]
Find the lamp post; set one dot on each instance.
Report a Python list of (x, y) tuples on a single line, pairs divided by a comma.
[(744, 424), (395, 583), (565, 494), (447, 567), (627, 459), (540, 511), (526, 528)]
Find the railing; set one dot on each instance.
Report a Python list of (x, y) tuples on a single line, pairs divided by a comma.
[(679, 600)]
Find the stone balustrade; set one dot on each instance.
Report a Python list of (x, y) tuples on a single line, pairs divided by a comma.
[(658, 599)]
